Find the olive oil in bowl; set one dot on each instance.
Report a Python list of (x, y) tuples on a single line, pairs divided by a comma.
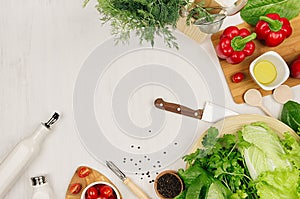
[(269, 70), (265, 72)]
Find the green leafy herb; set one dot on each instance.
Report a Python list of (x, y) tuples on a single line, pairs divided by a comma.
[(256, 8), (201, 184), (290, 115), (221, 158), (147, 18)]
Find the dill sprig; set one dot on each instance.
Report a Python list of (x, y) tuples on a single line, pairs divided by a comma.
[(148, 18)]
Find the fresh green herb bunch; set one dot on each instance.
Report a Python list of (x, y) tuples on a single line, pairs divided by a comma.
[(146, 17), (221, 157)]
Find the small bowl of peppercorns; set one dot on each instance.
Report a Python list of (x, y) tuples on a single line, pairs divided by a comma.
[(168, 184)]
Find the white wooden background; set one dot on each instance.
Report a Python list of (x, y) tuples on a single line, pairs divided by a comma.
[(43, 44)]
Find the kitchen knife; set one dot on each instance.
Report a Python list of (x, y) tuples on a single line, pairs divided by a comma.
[(210, 113), (131, 185)]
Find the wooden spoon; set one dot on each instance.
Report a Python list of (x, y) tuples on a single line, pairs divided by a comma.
[(254, 98), (282, 94)]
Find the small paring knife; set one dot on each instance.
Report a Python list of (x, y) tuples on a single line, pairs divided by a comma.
[(210, 113), (131, 185)]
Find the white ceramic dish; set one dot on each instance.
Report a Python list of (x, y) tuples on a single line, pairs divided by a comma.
[(282, 68), (100, 182)]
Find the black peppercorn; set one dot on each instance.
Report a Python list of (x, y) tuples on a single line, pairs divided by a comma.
[(168, 185)]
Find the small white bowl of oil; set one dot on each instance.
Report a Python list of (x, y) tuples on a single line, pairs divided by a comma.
[(269, 70)]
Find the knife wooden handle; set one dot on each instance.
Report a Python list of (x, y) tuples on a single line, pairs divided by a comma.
[(135, 189), (177, 108)]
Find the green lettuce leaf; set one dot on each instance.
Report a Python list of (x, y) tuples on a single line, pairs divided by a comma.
[(256, 8), (292, 148), (290, 114), (200, 183), (278, 184), (255, 156), (214, 192), (272, 163), (266, 152)]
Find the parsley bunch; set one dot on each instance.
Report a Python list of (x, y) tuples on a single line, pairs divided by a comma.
[(220, 157)]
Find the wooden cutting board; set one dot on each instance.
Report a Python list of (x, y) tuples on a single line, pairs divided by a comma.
[(93, 176), (289, 50)]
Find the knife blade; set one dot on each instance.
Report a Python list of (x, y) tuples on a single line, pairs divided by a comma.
[(127, 181), (210, 113)]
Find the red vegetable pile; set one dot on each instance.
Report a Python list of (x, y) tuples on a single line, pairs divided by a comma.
[(235, 44)]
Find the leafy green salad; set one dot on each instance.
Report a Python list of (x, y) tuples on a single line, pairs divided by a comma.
[(253, 163)]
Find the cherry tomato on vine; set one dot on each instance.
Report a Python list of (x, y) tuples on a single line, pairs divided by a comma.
[(237, 77)]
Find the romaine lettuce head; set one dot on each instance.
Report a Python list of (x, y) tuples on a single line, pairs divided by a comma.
[(256, 161), (266, 152), (271, 162)]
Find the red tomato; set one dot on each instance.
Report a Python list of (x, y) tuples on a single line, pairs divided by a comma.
[(113, 197), (75, 188), (102, 197), (237, 77), (106, 191), (98, 186), (92, 192), (83, 172), (295, 69)]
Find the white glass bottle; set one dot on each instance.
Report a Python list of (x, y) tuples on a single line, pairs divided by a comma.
[(41, 188), (13, 166)]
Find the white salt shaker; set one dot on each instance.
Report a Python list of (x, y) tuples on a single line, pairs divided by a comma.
[(41, 188)]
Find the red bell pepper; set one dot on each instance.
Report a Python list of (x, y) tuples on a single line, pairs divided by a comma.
[(273, 29), (235, 44)]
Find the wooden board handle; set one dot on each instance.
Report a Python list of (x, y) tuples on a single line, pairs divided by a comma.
[(177, 108), (135, 189)]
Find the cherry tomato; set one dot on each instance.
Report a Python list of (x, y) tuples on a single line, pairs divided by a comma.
[(92, 192), (102, 197), (106, 191), (75, 188), (83, 172), (98, 186), (113, 197), (295, 68), (237, 77)]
